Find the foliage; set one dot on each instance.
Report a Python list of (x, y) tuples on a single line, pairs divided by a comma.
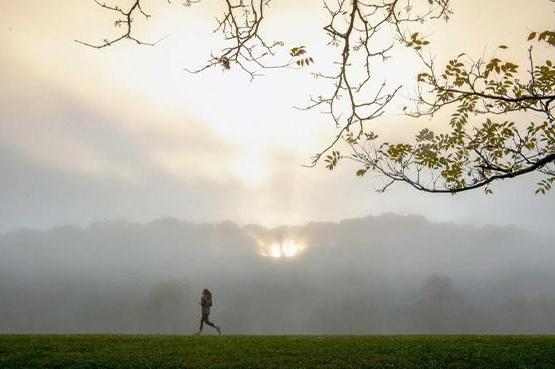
[(467, 154), (472, 155)]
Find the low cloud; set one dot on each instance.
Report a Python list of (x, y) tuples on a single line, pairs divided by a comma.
[(373, 275)]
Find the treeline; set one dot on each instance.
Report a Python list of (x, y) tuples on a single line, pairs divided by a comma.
[(376, 275)]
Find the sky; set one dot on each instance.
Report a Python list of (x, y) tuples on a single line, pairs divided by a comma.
[(124, 133)]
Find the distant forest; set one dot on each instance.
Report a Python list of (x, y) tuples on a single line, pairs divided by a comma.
[(376, 275)]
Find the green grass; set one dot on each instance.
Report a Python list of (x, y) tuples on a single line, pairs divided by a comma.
[(239, 352)]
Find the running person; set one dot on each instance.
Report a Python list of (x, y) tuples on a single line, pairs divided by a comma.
[(206, 303)]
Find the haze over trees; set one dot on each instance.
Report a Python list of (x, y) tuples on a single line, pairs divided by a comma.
[(501, 125), (386, 274)]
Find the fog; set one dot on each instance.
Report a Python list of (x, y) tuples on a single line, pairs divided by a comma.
[(386, 274)]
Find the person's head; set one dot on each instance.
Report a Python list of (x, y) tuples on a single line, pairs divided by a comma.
[(205, 292)]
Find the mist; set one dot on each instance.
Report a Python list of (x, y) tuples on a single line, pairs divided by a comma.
[(387, 274)]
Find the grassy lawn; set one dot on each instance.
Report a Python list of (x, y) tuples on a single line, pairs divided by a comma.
[(501, 352)]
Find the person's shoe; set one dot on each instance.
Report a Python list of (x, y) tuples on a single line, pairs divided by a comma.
[(219, 329)]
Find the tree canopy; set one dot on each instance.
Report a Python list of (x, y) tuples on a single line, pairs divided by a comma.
[(502, 120)]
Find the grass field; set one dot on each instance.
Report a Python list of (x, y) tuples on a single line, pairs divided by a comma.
[(503, 352)]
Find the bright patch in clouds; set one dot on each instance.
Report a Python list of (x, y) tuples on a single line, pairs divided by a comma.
[(250, 169)]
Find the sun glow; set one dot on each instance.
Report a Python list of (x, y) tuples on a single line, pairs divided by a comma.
[(251, 170), (285, 249)]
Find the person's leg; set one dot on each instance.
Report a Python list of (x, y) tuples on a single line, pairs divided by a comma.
[(203, 319), (217, 328)]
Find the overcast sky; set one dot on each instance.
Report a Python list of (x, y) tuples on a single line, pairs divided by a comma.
[(125, 134)]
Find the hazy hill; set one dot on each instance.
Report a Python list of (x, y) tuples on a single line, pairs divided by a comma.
[(384, 274)]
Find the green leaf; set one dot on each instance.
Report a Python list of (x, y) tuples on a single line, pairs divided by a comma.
[(361, 172)]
